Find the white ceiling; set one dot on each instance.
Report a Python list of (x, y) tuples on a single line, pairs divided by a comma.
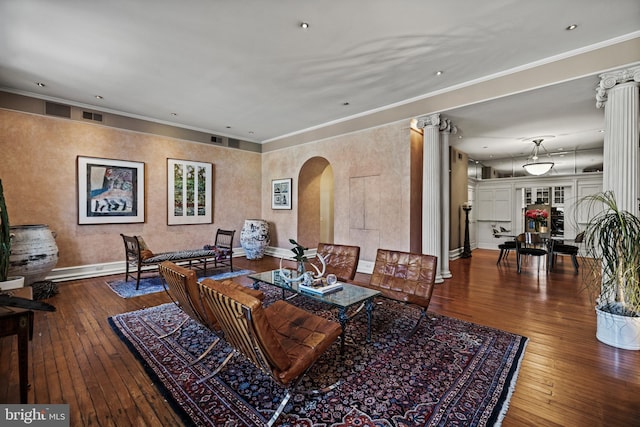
[(245, 69)]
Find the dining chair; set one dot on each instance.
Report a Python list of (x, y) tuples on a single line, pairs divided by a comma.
[(564, 249), (531, 245)]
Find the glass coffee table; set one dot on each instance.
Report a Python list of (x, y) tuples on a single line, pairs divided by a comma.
[(343, 299)]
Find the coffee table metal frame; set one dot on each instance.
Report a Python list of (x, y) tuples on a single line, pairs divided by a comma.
[(347, 297)]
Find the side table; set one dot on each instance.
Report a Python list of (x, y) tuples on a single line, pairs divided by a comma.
[(19, 321)]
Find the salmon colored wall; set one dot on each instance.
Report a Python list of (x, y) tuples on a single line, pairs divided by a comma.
[(380, 155), (38, 171)]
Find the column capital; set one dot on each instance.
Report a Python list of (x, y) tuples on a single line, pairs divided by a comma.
[(446, 125), (613, 78), (428, 120)]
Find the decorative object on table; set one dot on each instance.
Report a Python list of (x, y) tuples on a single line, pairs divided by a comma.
[(6, 281), (281, 193), (189, 192), (150, 285), (305, 277), (34, 252), (534, 166), (110, 191), (466, 252), (537, 218), (469, 372), (254, 238), (612, 273), (299, 255)]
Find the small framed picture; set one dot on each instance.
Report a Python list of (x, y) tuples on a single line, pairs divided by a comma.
[(110, 191), (281, 193)]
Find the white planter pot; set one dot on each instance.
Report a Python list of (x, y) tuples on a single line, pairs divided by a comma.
[(254, 238), (618, 331), (12, 282)]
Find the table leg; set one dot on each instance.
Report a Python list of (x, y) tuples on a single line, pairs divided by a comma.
[(23, 355), (343, 318), (369, 307)]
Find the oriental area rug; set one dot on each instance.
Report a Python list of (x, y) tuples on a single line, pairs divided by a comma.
[(150, 285), (451, 372)]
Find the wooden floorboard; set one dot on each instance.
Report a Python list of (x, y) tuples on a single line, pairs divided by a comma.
[(567, 378)]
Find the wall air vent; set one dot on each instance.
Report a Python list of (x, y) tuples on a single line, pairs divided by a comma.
[(218, 140), (234, 143), (88, 115), (60, 110)]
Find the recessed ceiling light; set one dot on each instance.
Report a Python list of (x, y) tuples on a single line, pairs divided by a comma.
[(228, 127), (40, 84), (345, 103), (251, 132), (304, 25), (439, 73), (571, 27), (99, 97), (174, 114)]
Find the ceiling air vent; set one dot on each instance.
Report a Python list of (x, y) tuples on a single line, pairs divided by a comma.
[(60, 110)]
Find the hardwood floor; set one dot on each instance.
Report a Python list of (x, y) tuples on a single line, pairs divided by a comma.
[(567, 377)]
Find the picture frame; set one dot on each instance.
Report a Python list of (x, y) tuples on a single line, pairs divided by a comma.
[(110, 191), (189, 192), (281, 191)]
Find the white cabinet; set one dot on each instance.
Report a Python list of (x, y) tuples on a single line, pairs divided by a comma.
[(494, 204)]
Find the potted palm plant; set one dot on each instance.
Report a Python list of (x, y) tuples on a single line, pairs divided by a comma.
[(612, 276), (6, 282)]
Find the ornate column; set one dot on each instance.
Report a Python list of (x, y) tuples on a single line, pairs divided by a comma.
[(431, 201), (619, 94), (446, 129)]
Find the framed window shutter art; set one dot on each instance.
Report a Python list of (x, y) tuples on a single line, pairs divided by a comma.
[(189, 192)]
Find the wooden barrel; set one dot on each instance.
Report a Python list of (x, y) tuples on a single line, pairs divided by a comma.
[(34, 252)]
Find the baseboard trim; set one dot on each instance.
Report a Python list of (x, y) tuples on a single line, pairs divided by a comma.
[(64, 274)]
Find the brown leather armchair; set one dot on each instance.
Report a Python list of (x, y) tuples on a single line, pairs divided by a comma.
[(405, 277), (184, 290), (281, 340), (342, 260)]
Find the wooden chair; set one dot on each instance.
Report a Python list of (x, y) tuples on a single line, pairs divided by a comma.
[(531, 245), (223, 245), (184, 290), (564, 249), (342, 260), (281, 340)]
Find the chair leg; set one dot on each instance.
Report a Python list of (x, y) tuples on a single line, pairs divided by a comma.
[(204, 354), (174, 330), (218, 369), (423, 315), (574, 259), (500, 256)]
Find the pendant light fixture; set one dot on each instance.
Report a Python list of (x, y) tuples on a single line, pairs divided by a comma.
[(533, 166)]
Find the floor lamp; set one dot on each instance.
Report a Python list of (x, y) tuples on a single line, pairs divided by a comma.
[(466, 252)]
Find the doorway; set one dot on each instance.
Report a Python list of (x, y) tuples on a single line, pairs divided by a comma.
[(315, 202)]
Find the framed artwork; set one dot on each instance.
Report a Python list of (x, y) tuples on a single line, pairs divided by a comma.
[(110, 191), (189, 192), (281, 193)]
